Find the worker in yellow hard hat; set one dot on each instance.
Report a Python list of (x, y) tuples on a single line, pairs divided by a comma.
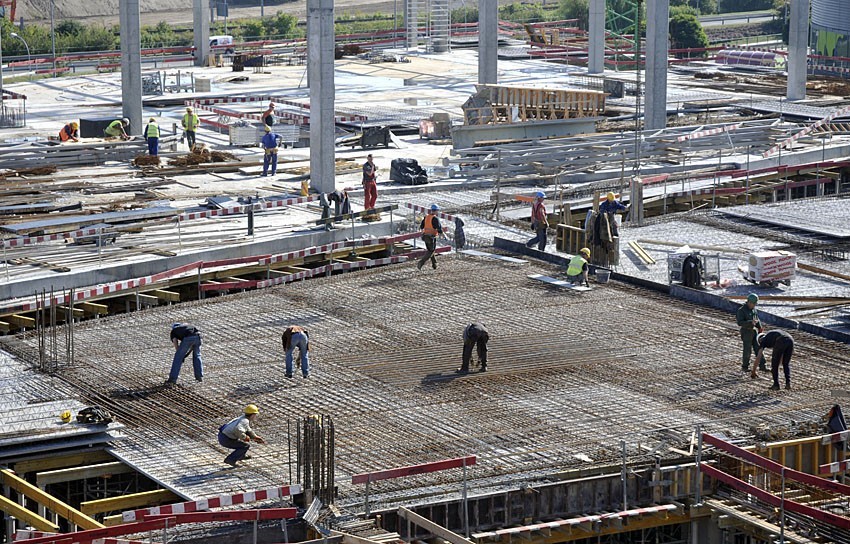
[(190, 123), (237, 434), (65, 416), (612, 205), (71, 131), (152, 137), (577, 268)]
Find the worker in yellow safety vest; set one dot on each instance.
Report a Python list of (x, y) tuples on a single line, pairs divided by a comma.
[(190, 125), (577, 269), (431, 227), (117, 129), (152, 137)]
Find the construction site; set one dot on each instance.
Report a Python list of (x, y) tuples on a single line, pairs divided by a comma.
[(613, 410)]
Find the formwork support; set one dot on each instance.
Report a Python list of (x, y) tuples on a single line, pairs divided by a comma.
[(125, 502), (320, 66), (201, 18), (48, 501), (31, 518), (798, 49), (657, 30), (596, 44), (131, 63), (488, 42)]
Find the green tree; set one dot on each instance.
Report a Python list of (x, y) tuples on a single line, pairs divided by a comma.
[(70, 27), (282, 24), (465, 14), (574, 9), (686, 33)]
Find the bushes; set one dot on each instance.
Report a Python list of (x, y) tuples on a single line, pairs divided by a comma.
[(686, 32)]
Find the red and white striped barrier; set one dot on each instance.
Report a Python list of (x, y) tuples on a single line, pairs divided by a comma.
[(215, 502), (25, 534), (711, 132), (30, 240), (286, 101), (834, 468), (422, 209), (814, 126), (836, 437), (256, 206)]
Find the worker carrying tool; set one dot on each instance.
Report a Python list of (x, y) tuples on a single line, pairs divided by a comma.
[(431, 227), (237, 434), (71, 131), (612, 205), (370, 183), (270, 143), (747, 317), (475, 334), (190, 124), (577, 268), (783, 348), (117, 129), (539, 222), (296, 337), (186, 338), (268, 115), (152, 137)]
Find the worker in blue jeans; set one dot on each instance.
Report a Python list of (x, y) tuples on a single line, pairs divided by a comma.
[(539, 222), (297, 337), (186, 338), (237, 434)]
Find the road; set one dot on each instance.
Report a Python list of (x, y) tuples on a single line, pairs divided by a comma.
[(726, 19)]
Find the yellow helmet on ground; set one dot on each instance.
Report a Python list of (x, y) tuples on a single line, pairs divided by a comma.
[(252, 409), (66, 416), (586, 252)]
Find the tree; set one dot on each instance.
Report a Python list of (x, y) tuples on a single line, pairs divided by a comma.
[(686, 33), (574, 9)]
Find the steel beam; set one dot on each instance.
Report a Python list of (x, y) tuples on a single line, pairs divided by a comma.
[(48, 501)]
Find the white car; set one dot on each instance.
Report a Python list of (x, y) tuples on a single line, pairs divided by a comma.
[(219, 41)]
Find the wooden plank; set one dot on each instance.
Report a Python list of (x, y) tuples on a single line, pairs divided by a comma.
[(48, 501), (476, 253), (62, 475), (21, 321), (31, 518), (641, 253), (78, 312), (162, 294), (143, 299), (93, 308), (433, 528), (63, 461), (411, 470), (824, 271), (126, 502)]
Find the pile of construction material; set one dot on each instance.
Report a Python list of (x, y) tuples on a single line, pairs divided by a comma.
[(146, 160), (201, 155)]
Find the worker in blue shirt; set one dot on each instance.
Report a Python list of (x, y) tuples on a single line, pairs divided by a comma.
[(612, 205), (270, 143)]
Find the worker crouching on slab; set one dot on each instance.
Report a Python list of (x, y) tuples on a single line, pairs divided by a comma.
[(747, 317), (185, 338), (296, 337), (117, 129), (474, 335), (431, 227), (577, 268), (539, 222), (71, 132), (783, 348), (270, 143), (237, 435)]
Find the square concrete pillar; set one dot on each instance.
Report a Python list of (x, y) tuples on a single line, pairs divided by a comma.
[(488, 41), (798, 47), (201, 19), (596, 38), (320, 68), (131, 63), (657, 30)]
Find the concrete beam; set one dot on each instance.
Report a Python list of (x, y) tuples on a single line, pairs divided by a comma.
[(798, 41), (657, 30), (488, 41), (131, 63), (596, 44), (201, 18), (320, 67)]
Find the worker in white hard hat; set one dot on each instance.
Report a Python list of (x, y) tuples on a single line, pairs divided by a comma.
[(237, 434), (190, 124), (577, 267), (431, 227), (539, 222), (117, 129)]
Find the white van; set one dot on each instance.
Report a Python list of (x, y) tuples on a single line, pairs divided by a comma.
[(222, 41)]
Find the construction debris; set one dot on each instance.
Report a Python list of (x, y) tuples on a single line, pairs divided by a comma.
[(146, 160), (202, 156)]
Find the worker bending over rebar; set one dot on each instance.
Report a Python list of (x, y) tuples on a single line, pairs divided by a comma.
[(186, 338), (783, 348), (296, 337), (474, 335)]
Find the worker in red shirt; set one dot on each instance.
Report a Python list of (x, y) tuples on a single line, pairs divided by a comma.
[(539, 222), (370, 183)]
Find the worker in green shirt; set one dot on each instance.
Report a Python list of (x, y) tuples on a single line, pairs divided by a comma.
[(117, 129), (748, 321)]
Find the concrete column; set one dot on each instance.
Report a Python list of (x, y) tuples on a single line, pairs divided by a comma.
[(798, 39), (201, 18), (657, 30), (320, 67), (488, 41), (131, 63), (596, 43)]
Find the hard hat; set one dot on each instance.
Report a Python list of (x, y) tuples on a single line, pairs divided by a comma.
[(540, 194), (610, 196), (268, 128), (152, 120), (252, 409), (125, 121), (760, 337), (584, 251), (434, 207), (189, 108), (66, 416), (752, 297), (74, 124)]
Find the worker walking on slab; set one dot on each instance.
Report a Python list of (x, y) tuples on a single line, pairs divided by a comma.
[(783, 348), (186, 338), (370, 183), (475, 334), (268, 115), (747, 317), (460, 235), (270, 143), (237, 434), (190, 124), (577, 268), (117, 129), (152, 137), (71, 131), (296, 337), (539, 222), (431, 227), (612, 205)]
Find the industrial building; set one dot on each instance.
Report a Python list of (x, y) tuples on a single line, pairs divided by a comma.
[(613, 413)]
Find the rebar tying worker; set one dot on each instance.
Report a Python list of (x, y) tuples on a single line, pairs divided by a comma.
[(71, 131), (152, 137), (270, 143), (431, 227), (296, 337), (185, 338), (748, 320), (612, 205), (783, 348), (577, 267), (237, 433), (117, 129), (475, 334)]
